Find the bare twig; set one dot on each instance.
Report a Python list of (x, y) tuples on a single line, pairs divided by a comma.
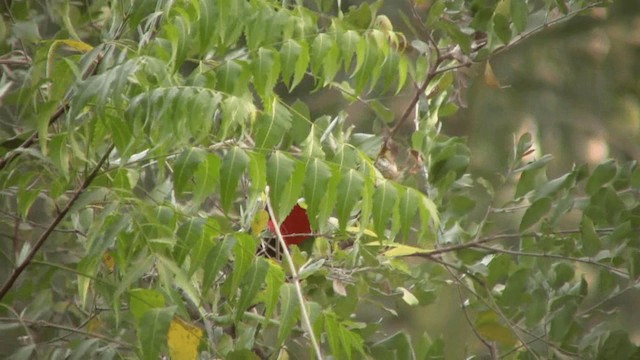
[(45, 235), (294, 276), (42, 323)]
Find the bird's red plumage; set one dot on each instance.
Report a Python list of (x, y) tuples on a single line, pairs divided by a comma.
[(295, 228)]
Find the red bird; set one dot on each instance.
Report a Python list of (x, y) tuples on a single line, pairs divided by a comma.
[(295, 228)]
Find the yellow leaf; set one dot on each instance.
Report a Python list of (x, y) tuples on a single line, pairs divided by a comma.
[(356, 230), (490, 78), (488, 325), (183, 340), (108, 261), (404, 250), (94, 325), (259, 222), (77, 45)]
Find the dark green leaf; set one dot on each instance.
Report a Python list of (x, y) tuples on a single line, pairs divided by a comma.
[(152, 331), (534, 213)]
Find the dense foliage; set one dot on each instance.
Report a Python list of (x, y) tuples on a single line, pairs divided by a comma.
[(146, 143)]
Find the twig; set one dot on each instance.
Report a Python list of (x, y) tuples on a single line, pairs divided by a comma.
[(555, 256), (42, 323), (294, 276), (45, 235)]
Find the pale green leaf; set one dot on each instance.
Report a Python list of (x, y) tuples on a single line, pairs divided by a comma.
[(141, 300), (152, 331), (266, 69), (270, 127), (384, 198), (234, 164), (217, 257), (280, 168), (244, 251), (184, 167), (273, 283), (349, 190), (205, 177), (289, 311), (251, 284), (315, 185)]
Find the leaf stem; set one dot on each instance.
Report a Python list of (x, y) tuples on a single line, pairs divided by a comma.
[(296, 280)]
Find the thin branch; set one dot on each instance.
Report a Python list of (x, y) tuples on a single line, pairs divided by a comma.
[(612, 269), (296, 280), (45, 235), (42, 323)]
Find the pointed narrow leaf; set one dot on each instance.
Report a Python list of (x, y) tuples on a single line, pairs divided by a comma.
[(293, 189), (233, 165), (217, 257), (301, 65), (408, 207), (280, 167), (244, 251), (205, 177), (141, 300), (270, 127), (315, 186), (289, 311), (273, 283), (185, 166), (349, 190), (257, 175), (535, 212), (384, 198), (289, 54), (348, 45), (251, 284), (266, 69), (152, 331)]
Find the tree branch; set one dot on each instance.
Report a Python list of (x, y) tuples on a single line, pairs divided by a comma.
[(296, 280), (45, 235)]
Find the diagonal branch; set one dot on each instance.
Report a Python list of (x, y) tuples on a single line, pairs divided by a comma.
[(50, 229), (296, 280)]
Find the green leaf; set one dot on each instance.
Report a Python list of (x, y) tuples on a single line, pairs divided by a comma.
[(234, 164), (602, 174), (236, 112), (266, 69), (292, 190), (270, 127), (562, 321), (502, 27), (142, 300), (244, 251), (59, 153), (217, 257), (152, 331), (289, 55), (384, 198), (280, 169), (300, 122), (348, 45), (349, 189), (257, 175), (205, 177), (231, 77), (251, 284), (397, 346), (491, 328), (341, 340), (535, 212), (320, 47), (519, 14), (273, 283), (289, 311), (590, 240), (301, 65), (315, 185), (184, 167)]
